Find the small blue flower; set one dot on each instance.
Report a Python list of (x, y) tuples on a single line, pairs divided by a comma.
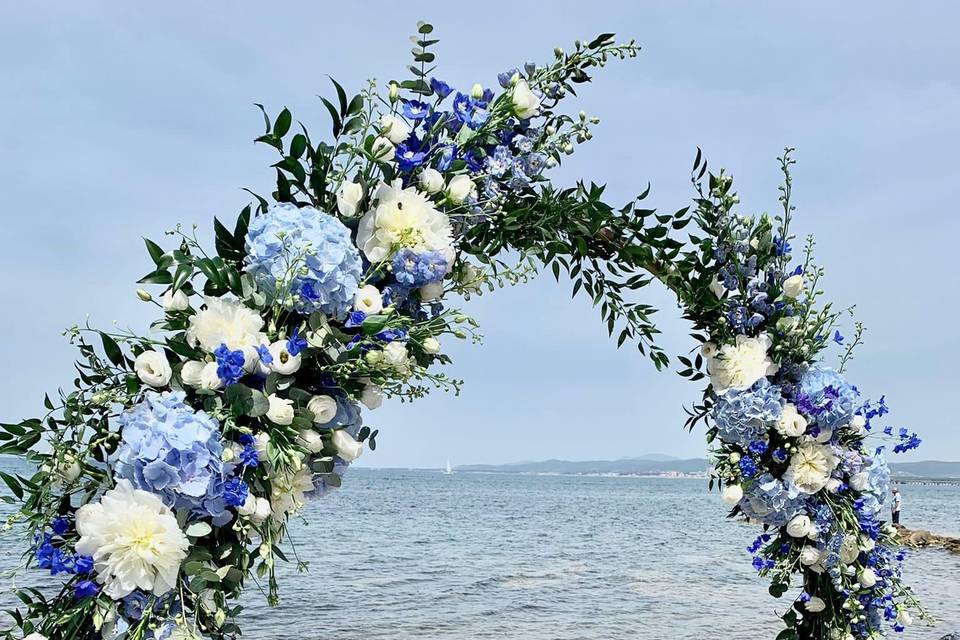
[(355, 319), (413, 270), (389, 335), (235, 492), (441, 88), (296, 343), (60, 526), (249, 456), (447, 155), (415, 110), (85, 589), (229, 364), (410, 154), (838, 338), (505, 77), (83, 564), (264, 352), (245, 439)]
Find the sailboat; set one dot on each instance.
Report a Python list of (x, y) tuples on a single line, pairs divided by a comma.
[(449, 469)]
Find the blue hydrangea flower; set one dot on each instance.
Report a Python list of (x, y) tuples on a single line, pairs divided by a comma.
[(175, 452), (745, 416), (320, 245), (412, 269), (827, 398), (772, 502)]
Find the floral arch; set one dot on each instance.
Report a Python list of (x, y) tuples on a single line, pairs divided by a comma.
[(166, 475)]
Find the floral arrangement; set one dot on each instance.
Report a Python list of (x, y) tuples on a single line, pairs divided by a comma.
[(167, 475)]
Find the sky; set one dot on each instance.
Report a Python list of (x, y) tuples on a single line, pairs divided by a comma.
[(119, 120)]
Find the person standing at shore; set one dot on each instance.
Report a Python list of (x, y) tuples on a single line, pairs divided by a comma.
[(895, 507)]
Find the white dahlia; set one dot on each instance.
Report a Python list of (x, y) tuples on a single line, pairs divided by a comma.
[(134, 540), (228, 322), (403, 218), (811, 466), (738, 366)]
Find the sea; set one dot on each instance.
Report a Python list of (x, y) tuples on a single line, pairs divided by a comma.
[(400, 554)]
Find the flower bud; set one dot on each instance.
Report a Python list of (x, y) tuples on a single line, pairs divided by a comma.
[(144, 295), (394, 92), (476, 92)]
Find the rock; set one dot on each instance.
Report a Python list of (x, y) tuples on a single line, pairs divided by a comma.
[(951, 636), (923, 538)]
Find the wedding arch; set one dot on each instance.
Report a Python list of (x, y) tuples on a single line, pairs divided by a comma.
[(165, 477)]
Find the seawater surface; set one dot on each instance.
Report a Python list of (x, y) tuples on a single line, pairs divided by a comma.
[(419, 554)]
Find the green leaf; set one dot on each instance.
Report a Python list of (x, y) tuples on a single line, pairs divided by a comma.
[(160, 276), (198, 529), (155, 251), (298, 145), (282, 123), (341, 96), (112, 350)]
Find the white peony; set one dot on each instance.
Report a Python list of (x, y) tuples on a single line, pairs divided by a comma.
[(867, 578), (431, 345), (791, 423), (349, 195), (228, 322), (283, 363), (732, 494), (793, 286), (371, 396), (153, 369), (310, 440), (738, 366), (323, 408), (815, 605), (799, 526), (280, 411), (393, 128), (288, 491), (460, 188), (175, 300), (368, 299), (347, 448), (811, 466), (431, 181), (526, 103), (134, 540), (403, 218)]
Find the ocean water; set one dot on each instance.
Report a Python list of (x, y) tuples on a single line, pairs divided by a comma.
[(419, 554)]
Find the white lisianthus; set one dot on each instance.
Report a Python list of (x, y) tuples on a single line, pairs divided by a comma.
[(288, 491), (228, 322), (153, 369), (431, 181), (858, 424), (815, 605), (393, 128), (210, 377), (175, 300), (526, 103), (191, 372), (347, 448), (260, 442), (368, 299), (793, 286), (382, 149), (849, 550), (738, 366), (717, 287), (471, 278), (310, 440), (809, 556), (255, 509), (786, 325), (824, 435), (280, 411), (859, 481), (134, 540), (460, 188), (799, 526), (431, 291), (403, 218), (323, 408), (867, 578), (708, 349), (67, 469), (791, 424), (810, 466), (371, 396), (903, 617), (396, 356), (283, 363), (349, 195), (431, 345), (732, 494)]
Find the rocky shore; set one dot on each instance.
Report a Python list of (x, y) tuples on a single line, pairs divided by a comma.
[(919, 538)]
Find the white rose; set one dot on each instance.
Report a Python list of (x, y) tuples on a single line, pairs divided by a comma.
[(255, 509), (372, 396), (349, 196), (867, 578), (849, 550), (191, 371), (283, 363), (153, 369), (717, 287), (264, 509), (809, 556), (815, 605), (431, 181), (382, 149), (368, 299), (68, 469), (460, 188), (791, 424), (175, 301), (732, 494), (396, 356), (280, 411), (431, 291), (393, 128), (799, 526), (260, 442), (859, 481), (810, 466), (793, 286), (858, 424), (526, 103), (323, 408), (708, 349), (738, 366), (310, 440), (347, 448), (431, 345), (210, 378)]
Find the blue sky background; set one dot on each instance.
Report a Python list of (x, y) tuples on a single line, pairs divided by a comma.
[(118, 120)]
